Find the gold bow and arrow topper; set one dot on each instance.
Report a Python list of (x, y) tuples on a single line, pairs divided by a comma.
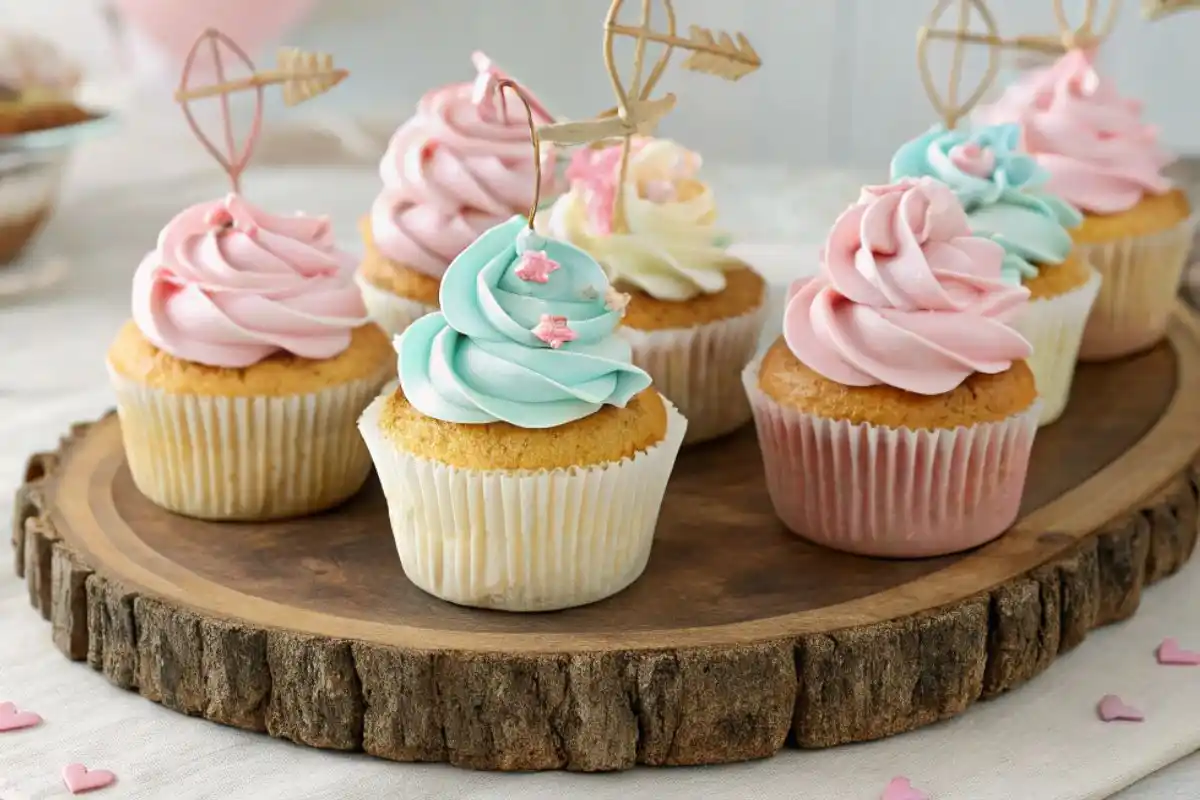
[(727, 56), (1157, 9), (303, 76)]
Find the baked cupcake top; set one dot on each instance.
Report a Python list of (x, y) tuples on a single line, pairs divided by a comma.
[(906, 296), (1000, 190), (524, 336), (672, 251), (1100, 156), (229, 285), (33, 69), (457, 168)]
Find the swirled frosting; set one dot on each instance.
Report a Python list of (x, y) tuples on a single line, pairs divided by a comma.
[(906, 296), (672, 251), (524, 336), (999, 188), (33, 66), (1100, 156), (454, 170), (229, 285)]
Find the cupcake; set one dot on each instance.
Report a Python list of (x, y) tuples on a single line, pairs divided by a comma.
[(459, 167), (246, 364), (1000, 188), (523, 456), (896, 413), (37, 89), (695, 311), (1104, 160)]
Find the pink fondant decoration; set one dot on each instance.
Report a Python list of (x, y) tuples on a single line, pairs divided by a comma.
[(80, 779), (536, 266), (13, 719), (902, 789), (973, 159), (1170, 653), (1112, 708), (553, 330)]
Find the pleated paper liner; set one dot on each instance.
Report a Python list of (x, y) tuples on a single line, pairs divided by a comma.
[(893, 492), (523, 540)]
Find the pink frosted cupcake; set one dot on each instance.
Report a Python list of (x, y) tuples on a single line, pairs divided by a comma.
[(458, 168), (896, 414), (1103, 159)]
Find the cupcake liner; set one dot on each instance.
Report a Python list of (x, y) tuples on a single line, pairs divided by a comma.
[(1141, 276), (1054, 326), (522, 540), (245, 458), (28, 191), (892, 492), (700, 369), (390, 311)]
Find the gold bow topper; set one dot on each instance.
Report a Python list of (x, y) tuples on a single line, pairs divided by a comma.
[(720, 54), (303, 76), (1156, 9)]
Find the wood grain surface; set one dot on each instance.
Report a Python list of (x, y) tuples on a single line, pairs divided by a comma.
[(738, 639)]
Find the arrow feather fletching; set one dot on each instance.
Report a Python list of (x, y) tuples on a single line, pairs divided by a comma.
[(307, 75), (720, 54)]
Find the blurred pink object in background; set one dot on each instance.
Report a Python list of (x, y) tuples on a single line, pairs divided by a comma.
[(171, 26)]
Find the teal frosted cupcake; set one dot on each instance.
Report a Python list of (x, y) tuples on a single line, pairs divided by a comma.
[(523, 456), (1001, 190)]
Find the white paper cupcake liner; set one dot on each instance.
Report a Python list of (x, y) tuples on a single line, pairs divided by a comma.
[(390, 311), (245, 458), (1141, 276), (518, 540), (1054, 327), (700, 370), (891, 492)]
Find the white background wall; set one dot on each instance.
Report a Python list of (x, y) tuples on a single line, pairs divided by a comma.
[(839, 83)]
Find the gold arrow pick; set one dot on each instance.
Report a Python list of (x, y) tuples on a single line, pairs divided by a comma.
[(1157, 9)]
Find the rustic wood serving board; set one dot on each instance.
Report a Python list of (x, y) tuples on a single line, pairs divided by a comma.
[(738, 640)]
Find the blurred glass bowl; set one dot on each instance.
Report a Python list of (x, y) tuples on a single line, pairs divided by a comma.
[(32, 166)]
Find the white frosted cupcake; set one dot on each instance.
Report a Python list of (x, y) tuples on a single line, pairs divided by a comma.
[(523, 456), (1001, 189), (246, 364), (695, 311)]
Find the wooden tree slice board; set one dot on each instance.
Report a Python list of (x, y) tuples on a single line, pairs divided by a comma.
[(738, 639)]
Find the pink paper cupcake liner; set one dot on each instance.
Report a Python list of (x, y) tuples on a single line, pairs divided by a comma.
[(892, 492)]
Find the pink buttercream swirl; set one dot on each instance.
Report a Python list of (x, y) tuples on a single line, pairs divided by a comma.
[(906, 296), (459, 167), (1100, 155), (229, 285)]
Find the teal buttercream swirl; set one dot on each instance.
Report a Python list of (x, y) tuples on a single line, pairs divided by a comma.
[(479, 359), (999, 187)]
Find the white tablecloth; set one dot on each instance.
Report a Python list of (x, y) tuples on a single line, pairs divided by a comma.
[(1039, 743)]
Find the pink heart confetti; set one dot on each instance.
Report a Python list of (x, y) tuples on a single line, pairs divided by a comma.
[(80, 779), (902, 789), (1112, 708), (1170, 653), (13, 719)]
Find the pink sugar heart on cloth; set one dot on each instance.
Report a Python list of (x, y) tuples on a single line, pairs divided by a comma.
[(80, 779), (902, 789), (1170, 653), (13, 719), (1112, 708)]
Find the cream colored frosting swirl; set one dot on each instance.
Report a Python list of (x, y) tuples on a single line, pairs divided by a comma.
[(672, 250)]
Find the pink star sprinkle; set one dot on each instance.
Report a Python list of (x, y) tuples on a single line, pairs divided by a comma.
[(616, 301), (536, 267), (553, 331)]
